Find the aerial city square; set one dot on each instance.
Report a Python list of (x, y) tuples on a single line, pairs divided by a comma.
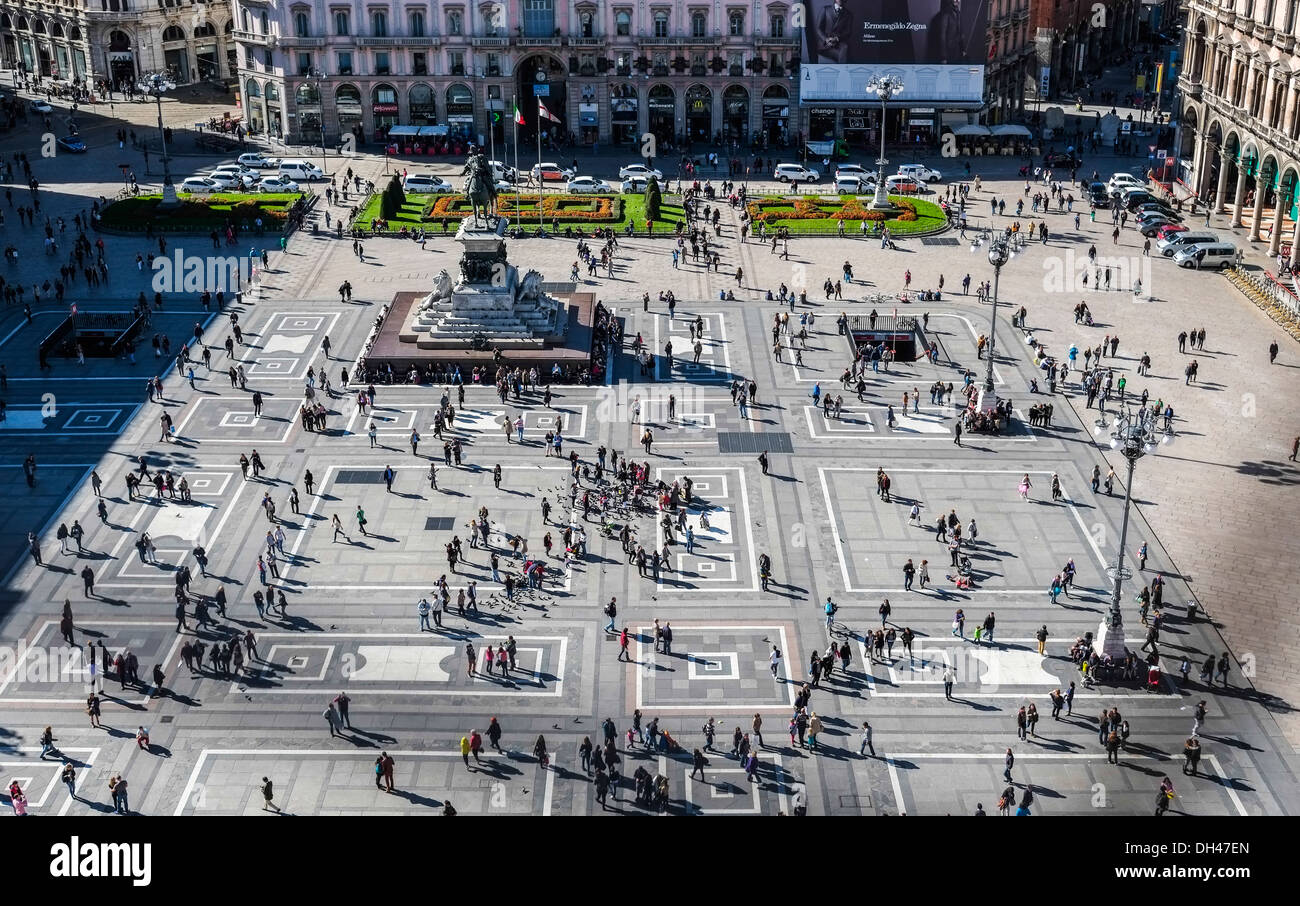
[(692, 409)]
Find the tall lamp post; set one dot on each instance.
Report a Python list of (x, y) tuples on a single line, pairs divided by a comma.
[(1133, 434), (155, 83), (884, 87), (1000, 252), (317, 78)]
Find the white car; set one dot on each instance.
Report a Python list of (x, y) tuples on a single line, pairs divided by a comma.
[(502, 172), (42, 107), (551, 171), (919, 172), (640, 170), (199, 185), (634, 185), (586, 185), (1121, 181), (854, 170), (503, 185), (250, 177), (227, 181), (795, 173), (854, 184), (257, 161), (426, 183), (278, 184)]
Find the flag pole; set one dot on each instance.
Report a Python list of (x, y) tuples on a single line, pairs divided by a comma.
[(514, 115), (492, 136), (541, 225)]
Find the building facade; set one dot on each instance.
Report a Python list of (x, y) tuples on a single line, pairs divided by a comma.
[(118, 40), (611, 70), (1075, 38), (1010, 71), (1239, 125)]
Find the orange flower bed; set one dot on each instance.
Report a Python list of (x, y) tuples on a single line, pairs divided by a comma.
[(571, 208), (811, 208)]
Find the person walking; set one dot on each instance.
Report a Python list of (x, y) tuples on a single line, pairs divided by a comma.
[(268, 795), (866, 745)]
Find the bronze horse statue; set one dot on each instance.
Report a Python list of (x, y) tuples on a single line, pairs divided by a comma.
[(479, 187)]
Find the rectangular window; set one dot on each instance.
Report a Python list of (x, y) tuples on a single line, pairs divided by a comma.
[(494, 64), (304, 63), (420, 63), (457, 62), (382, 66), (777, 23), (345, 62), (539, 18)]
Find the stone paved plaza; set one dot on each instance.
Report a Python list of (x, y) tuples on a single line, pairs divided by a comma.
[(1213, 511)]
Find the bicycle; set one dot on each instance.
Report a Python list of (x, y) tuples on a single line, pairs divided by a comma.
[(841, 631)]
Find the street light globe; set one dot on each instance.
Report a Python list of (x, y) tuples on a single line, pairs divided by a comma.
[(1168, 439), (1114, 442), (999, 254)]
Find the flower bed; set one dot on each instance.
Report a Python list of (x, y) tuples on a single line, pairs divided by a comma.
[(813, 214), (199, 212), (565, 208)]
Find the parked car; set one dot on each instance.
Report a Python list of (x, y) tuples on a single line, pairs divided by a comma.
[(587, 185), (300, 170), (1099, 195), (229, 182), (1168, 229), (199, 185), (553, 172), (634, 184), (1207, 255), (854, 170), (1120, 181), (640, 170), (248, 176), (1151, 208), (795, 173), (852, 184), (1171, 244), (1153, 227), (503, 172), (278, 184), (900, 185), (72, 143), (426, 183), (258, 161), (919, 173)]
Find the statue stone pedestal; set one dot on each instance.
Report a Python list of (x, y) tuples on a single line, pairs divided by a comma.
[(489, 304)]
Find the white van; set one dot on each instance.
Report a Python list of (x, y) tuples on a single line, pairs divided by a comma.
[(300, 170), (1175, 242), (1209, 255)]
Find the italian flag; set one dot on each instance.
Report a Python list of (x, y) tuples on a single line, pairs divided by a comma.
[(519, 117)]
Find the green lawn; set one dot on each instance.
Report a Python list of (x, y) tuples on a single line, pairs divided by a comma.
[(415, 213), (930, 216), (200, 213)]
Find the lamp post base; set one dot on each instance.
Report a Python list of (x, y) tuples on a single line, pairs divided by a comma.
[(881, 202), (1109, 642), (169, 198)]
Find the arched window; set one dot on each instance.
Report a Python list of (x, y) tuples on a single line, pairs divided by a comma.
[(206, 30), (272, 91), (302, 24), (587, 24), (74, 33), (699, 24), (248, 21), (623, 23), (661, 23), (307, 95), (38, 27), (254, 90), (736, 22), (455, 23), (22, 23), (56, 30), (173, 33)]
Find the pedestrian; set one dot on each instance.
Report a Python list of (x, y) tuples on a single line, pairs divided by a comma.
[(268, 795)]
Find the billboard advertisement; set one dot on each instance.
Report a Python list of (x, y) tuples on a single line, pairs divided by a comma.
[(938, 48)]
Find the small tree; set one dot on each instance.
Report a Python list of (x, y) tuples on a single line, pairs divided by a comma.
[(391, 203), (652, 199)]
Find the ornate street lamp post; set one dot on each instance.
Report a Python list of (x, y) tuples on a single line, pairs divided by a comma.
[(999, 254), (1134, 434), (884, 87), (155, 83)]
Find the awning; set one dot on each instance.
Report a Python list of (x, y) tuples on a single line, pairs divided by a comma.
[(431, 130), (397, 131), (972, 129), (1012, 129)]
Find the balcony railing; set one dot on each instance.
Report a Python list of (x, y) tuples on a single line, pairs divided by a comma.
[(541, 40), (490, 41), (293, 41), (378, 41), (586, 42), (249, 37), (777, 41)]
